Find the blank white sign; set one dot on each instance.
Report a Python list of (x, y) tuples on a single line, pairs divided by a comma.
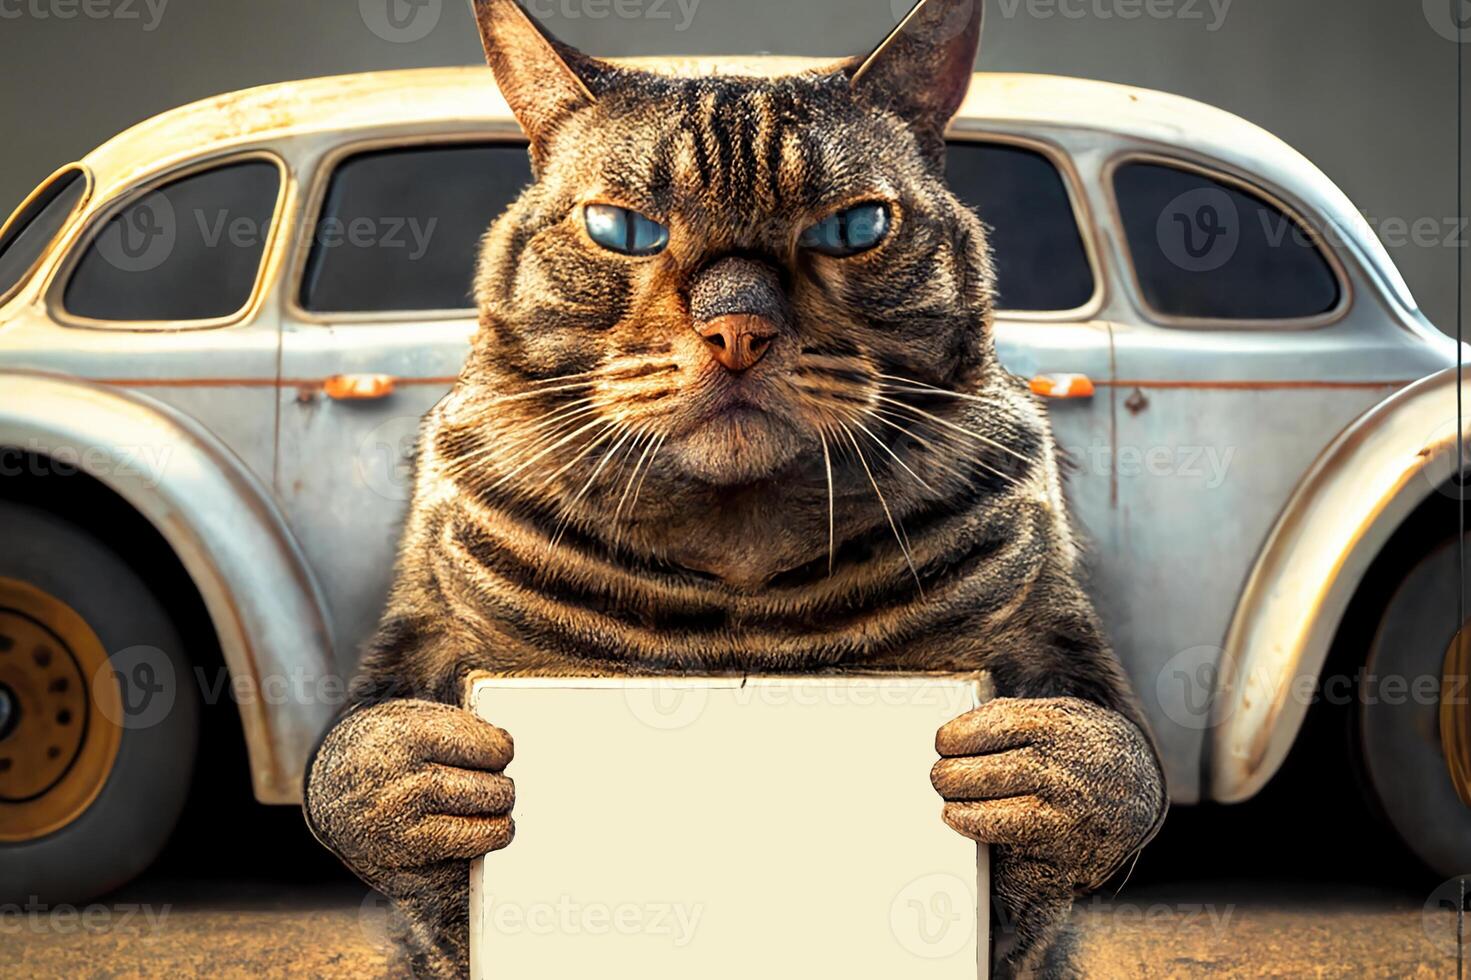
[(715, 827)]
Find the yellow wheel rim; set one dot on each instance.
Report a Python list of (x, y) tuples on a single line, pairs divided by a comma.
[(58, 702)]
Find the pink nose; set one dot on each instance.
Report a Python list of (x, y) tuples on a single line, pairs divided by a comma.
[(737, 340)]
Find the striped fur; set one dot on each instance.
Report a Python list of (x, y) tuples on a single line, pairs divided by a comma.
[(598, 495), (585, 506)]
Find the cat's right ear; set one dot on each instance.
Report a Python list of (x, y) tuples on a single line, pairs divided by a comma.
[(922, 69), (542, 79)]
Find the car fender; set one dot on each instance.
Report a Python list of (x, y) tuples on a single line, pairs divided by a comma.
[(1339, 518), (223, 525)]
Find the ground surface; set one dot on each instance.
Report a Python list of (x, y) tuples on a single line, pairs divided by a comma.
[(1300, 882), (1239, 929)]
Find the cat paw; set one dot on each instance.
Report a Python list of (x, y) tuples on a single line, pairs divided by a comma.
[(1066, 790), (407, 785)]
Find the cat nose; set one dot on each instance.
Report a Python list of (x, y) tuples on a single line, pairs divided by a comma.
[(738, 306), (738, 340)]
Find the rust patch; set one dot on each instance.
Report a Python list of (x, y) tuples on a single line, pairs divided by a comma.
[(1136, 402)]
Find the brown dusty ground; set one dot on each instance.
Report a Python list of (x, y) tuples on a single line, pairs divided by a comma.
[(220, 929)]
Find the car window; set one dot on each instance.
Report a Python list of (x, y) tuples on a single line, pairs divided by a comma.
[(1041, 263), (399, 229), (189, 250), (1205, 249), (33, 229)]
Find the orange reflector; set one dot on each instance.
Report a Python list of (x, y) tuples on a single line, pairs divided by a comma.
[(1062, 386), (354, 386)]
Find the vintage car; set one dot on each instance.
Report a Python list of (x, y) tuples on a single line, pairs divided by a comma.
[(219, 330)]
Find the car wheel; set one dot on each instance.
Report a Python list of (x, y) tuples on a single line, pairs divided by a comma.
[(99, 719), (1413, 712)]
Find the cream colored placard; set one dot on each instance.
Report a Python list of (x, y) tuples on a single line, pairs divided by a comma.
[(721, 828)]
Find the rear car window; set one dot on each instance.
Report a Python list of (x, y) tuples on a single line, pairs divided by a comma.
[(1205, 249), (1041, 263), (189, 250), (26, 238), (399, 229)]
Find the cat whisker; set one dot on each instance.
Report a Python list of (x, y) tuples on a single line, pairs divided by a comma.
[(628, 487), (571, 505), (547, 450), (610, 428), (640, 488), (892, 421), (526, 435), (571, 382), (985, 440), (536, 393), (832, 506), (893, 455), (922, 388), (889, 418), (893, 525)]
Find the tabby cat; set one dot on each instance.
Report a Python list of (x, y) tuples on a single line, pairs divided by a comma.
[(733, 406)]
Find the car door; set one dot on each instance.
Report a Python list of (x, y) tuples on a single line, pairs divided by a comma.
[(1251, 349), (376, 329), (1050, 289)]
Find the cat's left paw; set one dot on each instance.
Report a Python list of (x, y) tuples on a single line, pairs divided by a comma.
[(1062, 780)]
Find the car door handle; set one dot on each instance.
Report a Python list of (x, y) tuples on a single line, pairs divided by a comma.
[(1062, 386), (358, 387)]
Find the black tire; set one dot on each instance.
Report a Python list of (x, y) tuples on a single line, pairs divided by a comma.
[(133, 814), (1397, 713)]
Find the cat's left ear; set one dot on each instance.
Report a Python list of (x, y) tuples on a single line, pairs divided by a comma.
[(922, 69), (542, 79)]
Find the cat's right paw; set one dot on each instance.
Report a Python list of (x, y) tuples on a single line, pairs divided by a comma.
[(409, 784)]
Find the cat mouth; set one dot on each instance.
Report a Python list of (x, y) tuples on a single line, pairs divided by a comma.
[(734, 399)]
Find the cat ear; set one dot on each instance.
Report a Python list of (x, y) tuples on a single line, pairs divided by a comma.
[(923, 68), (542, 79)]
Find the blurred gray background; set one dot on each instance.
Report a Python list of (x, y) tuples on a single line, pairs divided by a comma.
[(1365, 88)]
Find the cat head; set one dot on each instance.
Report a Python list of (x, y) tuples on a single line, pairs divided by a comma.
[(739, 269)]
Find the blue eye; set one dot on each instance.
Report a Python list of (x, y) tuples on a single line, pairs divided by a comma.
[(850, 231), (624, 231)]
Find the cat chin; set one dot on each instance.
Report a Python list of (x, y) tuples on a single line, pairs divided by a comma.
[(738, 448)]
